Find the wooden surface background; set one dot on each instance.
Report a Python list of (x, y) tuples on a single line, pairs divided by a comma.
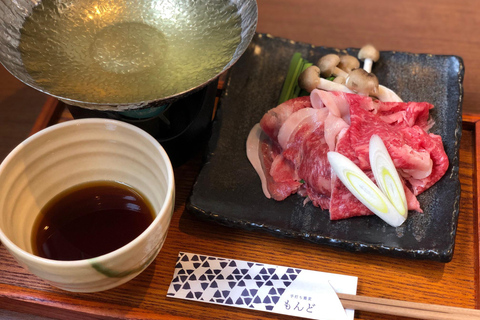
[(437, 27)]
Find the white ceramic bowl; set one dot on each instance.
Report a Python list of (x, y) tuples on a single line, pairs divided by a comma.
[(75, 152)]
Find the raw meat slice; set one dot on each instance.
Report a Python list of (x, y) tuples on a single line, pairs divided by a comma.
[(273, 120), (419, 156), (282, 179), (307, 116)]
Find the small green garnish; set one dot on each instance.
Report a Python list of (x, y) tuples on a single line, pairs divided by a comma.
[(302, 181), (290, 87)]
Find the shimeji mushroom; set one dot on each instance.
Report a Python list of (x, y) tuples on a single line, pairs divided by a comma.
[(362, 82), (365, 83), (328, 66), (310, 79), (348, 63), (369, 54)]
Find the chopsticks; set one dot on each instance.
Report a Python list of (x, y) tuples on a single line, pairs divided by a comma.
[(407, 309)]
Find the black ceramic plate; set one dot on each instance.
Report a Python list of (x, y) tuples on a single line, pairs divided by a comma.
[(229, 192)]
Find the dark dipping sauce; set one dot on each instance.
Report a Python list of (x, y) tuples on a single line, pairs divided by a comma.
[(89, 220)]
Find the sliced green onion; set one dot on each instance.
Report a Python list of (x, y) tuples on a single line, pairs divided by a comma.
[(358, 183), (386, 175)]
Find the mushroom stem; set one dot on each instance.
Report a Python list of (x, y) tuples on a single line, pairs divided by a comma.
[(387, 95), (328, 85), (340, 73), (367, 65), (340, 80), (310, 79)]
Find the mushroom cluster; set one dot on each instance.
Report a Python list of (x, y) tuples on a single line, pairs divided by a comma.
[(347, 74)]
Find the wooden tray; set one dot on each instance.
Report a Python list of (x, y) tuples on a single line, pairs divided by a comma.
[(455, 283)]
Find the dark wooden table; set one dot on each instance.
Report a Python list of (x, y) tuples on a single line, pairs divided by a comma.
[(437, 27)]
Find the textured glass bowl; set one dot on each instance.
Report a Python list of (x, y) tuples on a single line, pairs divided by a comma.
[(122, 54)]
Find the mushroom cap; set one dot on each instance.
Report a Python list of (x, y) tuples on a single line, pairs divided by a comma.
[(362, 82), (348, 63), (369, 52), (327, 64), (309, 79)]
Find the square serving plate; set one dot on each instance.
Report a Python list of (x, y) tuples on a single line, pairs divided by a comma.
[(228, 190)]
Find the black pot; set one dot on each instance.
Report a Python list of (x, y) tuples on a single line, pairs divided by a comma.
[(182, 127)]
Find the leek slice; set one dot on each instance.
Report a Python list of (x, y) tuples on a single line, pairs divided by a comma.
[(360, 185), (386, 175)]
